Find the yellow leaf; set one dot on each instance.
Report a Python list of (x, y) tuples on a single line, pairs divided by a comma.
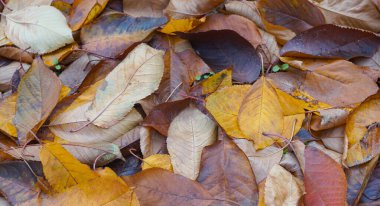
[(363, 132), (84, 11), (61, 169), (58, 55), (157, 161), (217, 81), (7, 112), (181, 25), (224, 105), (260, 113)]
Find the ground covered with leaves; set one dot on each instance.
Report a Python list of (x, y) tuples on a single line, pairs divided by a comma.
[(189, 102)]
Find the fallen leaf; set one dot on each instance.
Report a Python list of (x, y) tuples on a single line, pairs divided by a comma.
[(290, 162), (372, 62), (56, 57), (131, 136), (270, 49), (333, 42), (84, 11), (362, 132), (244, 27), (16, 54), (7, 113), (141, 73), (38, 93), (166, 188), (61, 169), (145, 8), (179, 9), (357, 13), (260, 113), (226, 173), (163, 114), (112, 34), (188, 134), (285, 18), (152, 143), (7, 72), (282, 188), (157, 161), (371, 191), (327, 189), (224, 48), (224, 105), (181, 25), (41, 28), (217, 81), (247, 9)]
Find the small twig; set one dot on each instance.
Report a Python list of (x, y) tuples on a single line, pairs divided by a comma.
[(133, 154), (171, 94), (95, 54), (96, 159)]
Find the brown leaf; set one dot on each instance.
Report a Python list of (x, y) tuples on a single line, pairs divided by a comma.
[(247, 9), (179, 9), (152, 143), (111, 35), (224, 48), (84, 11), (325, 181), (160, 187), (330, 41), (244, 27), (38, 94), (226, 173), (372, 62), (283, 16), (147, 8), (16, 54), (163, 114)]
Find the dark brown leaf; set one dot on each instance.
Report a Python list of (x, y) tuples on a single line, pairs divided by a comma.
[(226, 173), (330, 41), (224, 48), (16, 54)]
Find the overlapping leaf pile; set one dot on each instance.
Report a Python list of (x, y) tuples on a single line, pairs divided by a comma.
[(189, 102)]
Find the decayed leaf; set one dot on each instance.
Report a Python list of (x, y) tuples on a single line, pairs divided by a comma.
[(261, 112), (362, 132), (84, 11), (41, 28), (226, 173), (244, 27), (245, 8), (261, 161), (188, 134), (361, 14), (181, 25), (179, 9), (165, 188), (283, 18), (221, 49), (7, 112), (38, 93), (17, 181), (163, 114), (282, 188), (157, 161), (146, 8), (137, 76), (61, 169), (330, 41), (103, 152), (357, 179), (224, 105), (327, 189), (112, 34)]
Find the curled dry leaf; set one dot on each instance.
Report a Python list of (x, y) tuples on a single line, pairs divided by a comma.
[(84, 11), (361, 14), (145, 8), (247, 9), (152, 143), (136, 77), (333, 42), (179, 9), (282, 188), (285, 18), (327, 189), (7, 72), (362, 132), (112, 34), (221, 49), (157, 161), (226, 173), (260, 113), (41, 28), (38, 93), (61, 169), (224, 106), (188, 134), (163, 114), (244, 27)]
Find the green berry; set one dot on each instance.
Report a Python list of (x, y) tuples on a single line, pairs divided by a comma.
[(198, 78), (276, 68), (58, 67), (284, 67)]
